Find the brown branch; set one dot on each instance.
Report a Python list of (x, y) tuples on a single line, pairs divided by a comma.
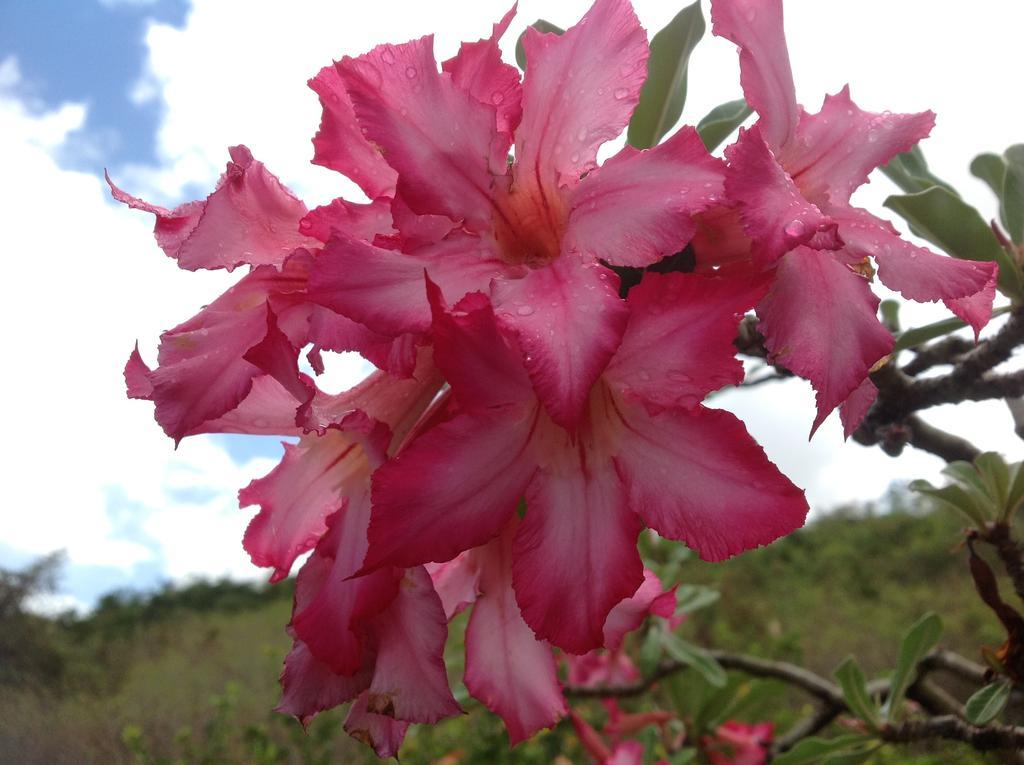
[(1010, 553), (945, 351), (987, 739), (946, 445)]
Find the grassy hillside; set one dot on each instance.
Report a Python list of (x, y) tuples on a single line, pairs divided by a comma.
[(190, 675)]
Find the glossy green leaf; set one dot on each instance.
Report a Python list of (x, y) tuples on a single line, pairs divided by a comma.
[(694, 657), (855, 691), (811, 751), (919, 640), (541, 26), (855, 757), (1016, 493), (910, 172), (683, 756), (916, 336), (664, 92), (965, 474), (1012, 208), (720, 123), (990, 168), (956, 497), (983, 706), (995, 475), (947, 221), (650, 652)]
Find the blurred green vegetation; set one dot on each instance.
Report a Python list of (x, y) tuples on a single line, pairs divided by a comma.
[(188, 674)]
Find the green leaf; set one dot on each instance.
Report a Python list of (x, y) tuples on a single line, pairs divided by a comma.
[(810, 751), (990, 168), (910, 172), (664, 93), (693, 597), (541, 26), (890, 310), (919, 640), (912, 338), (985, 704), (694, 657), (683, 756), (947, 221), (851, 758), (855, 691), (1016, 493), (1012, 208), (995, 474), (650, 652), (719, 123)]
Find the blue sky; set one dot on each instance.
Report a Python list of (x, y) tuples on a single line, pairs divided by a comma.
[(156, 91)]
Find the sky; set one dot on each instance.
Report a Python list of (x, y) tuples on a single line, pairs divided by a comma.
[(155, 91)]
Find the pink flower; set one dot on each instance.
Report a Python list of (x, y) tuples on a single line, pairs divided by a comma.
[(791, 176), (645, 453), (736, 743), (534, 234)]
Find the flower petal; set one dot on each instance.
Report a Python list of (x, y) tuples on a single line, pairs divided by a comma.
[(976, 309), (479, 70), (756, 27), (309, 686), (339, 143), (456, 582), (439, 138), (383, 734), (856, 406), (333, 332), (841, 144), (451, 489), (774, 213), (628, 614), (575, 553), (579, 91), (136, 377), (915, 272), (636, 208), (364, 222), (678, 344), (384, 289), (819, 321), (697, 476), (268, 410), (507, 668), (568, 319), (251, 218), (409, 678)]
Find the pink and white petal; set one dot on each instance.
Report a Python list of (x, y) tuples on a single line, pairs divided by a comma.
[(452, 488), (136, 377), (298, 495), (569, 320), (756, 26), (915, 272), (385, 290), (697, 476), (578, 92), (628, 614), (856, 406), (507, 668), (250, 218), (637, 207), (590, 738), (340, 144), (819, 321), (482, 367), (310, 687), (479, 70), (358, 221), (678, 344), (416, 230), (276, 356), (976, 309), (333, 332), (575, 552), (438, 137), (840, 145), (626, 753), (410, 682), (384, 735), (775, 214), (456, 582), (268, 410)]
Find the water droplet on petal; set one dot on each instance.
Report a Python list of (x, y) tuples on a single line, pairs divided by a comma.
[(751, 14), (575, 157), (621, 93), (387, 56), (679, 375), (582, 134), (305, 225), (645, 375), (410, 72), (524, 310), (497, 97), (795, 228)]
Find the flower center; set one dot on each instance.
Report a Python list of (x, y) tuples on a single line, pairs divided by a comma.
[(529, 223)]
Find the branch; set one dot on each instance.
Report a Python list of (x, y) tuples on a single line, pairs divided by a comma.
[(1010, 553), (940, 443), (952, 728), (945, 351)]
